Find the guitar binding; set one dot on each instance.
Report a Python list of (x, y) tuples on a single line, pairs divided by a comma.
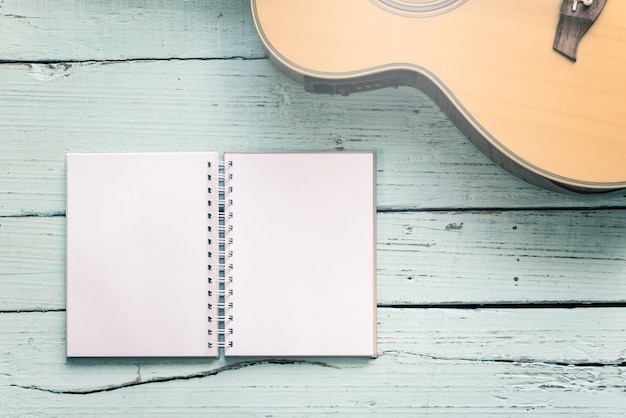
[(391, 79)]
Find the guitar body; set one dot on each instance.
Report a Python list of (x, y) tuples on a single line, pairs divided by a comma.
[(489, 64)]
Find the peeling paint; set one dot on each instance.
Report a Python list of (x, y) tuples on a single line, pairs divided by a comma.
[(14, 15), (454, 226), (49, 72), (60, 70)]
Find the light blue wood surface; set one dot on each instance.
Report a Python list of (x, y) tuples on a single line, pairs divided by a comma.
[(495, 297)]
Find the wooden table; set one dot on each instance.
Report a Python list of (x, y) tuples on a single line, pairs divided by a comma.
[(495, 297)]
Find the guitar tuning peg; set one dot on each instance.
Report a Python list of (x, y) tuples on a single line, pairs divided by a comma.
[(585, 2)]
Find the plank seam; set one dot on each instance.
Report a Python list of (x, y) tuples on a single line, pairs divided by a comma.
[(509, 305), (35, 215), (17, 311), (497, 210), (127, 60), (453, 306), (383, 210)]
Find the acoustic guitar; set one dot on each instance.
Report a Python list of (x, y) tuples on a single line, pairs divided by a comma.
[(538, 85)]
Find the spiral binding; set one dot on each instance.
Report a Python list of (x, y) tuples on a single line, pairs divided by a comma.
[(219, 267)]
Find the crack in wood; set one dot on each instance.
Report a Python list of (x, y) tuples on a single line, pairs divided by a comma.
[(208, 373), (618, 364)]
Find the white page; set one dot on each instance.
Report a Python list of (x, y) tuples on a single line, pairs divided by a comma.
[(137, 254), (303, 254)]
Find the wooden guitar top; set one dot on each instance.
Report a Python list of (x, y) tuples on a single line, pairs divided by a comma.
[(490, 65)]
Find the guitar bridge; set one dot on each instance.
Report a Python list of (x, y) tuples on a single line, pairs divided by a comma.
[(574, 22)]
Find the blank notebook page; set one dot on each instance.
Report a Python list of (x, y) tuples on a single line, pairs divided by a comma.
[(137, 254), (303, 254)]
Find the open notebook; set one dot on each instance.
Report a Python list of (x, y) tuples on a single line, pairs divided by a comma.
[(181, 254)]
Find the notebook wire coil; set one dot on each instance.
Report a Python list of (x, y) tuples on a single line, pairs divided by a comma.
[(220, 267)]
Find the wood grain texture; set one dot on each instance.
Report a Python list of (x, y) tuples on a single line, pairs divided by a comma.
[(502, 257), (34, 31), (424, 258), (47, 110), (159, 75), (436, 362)]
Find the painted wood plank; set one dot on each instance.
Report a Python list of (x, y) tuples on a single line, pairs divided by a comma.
[(32, 263), (423, 258), (502, 256), (34, 31), (423, 161), (440, 362)]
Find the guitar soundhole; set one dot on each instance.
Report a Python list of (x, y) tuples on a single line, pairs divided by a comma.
[(418, 8)]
